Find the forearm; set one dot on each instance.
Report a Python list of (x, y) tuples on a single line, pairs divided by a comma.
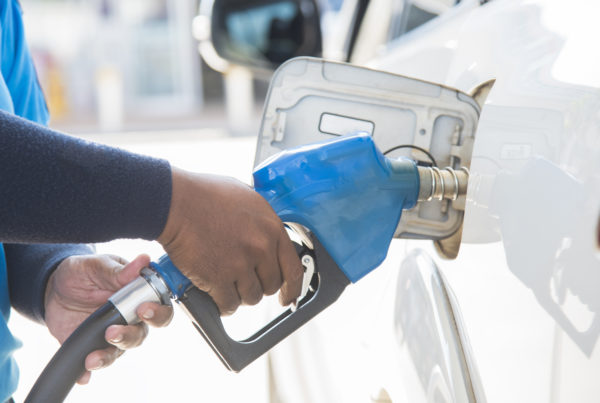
[(29, 267), (56, 188)]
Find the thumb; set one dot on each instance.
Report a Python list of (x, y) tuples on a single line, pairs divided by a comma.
[(132, 269)]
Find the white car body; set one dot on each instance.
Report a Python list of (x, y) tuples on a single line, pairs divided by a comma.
[(516, 316)]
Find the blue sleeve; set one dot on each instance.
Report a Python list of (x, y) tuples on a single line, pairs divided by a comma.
[(17, 68), (59, 189), (29, 267), (55, 188)]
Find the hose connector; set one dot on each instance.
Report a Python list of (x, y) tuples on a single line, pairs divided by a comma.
[(442, 184), (149, 287)]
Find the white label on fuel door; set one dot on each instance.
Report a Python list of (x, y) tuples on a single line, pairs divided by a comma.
[(340, 125)]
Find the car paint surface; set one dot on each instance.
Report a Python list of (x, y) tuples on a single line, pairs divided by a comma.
[(526, 278)]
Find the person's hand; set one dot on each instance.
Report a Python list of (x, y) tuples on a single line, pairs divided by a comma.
[(80, 285), (229, 242)]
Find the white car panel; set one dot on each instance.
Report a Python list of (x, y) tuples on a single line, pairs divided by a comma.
[(526, 279), (530, 302)]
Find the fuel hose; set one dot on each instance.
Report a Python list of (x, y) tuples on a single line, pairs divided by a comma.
[(68, 364)]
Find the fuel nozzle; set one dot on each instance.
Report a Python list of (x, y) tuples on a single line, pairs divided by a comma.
[(442, 184)]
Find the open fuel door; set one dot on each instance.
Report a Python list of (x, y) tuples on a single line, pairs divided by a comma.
[(312, 99)]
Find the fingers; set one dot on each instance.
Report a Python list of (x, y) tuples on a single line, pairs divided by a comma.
[(132, 269), (111, 273), (121, 260), (100, 359), (85, 378), (155, 315), (126, 337), (291, 270), (282, 271), (227, 299), (249, 289), (250, 286), (269, 275)]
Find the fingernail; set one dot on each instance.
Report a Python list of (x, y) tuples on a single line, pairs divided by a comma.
[(148, 314), (117, 339), (99, 365)]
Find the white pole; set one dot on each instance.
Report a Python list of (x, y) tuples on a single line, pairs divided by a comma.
[(239, 100)]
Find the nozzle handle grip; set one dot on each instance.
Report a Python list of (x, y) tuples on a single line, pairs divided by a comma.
[(238, 354)]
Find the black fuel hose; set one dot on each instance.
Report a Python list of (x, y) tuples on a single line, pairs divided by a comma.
[(68, 364)]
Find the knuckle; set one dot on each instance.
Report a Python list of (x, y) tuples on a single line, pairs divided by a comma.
[(297, 272), (272, 285), (231, 306), (253, 297), (275, 227), (260, 246), (228, 310), (204, 278), (228, 305)]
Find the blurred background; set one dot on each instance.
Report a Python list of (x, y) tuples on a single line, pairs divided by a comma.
[(131, 65), (113, 65), (110, 65)]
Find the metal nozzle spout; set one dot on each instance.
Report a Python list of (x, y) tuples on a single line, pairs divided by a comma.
[(440, 184)]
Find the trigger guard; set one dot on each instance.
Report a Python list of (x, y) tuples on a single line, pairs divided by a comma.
[(237, 354)]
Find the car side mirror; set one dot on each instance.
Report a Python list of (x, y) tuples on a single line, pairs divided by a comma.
[(259, 33)]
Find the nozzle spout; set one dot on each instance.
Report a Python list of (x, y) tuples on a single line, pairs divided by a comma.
[(440, 184)]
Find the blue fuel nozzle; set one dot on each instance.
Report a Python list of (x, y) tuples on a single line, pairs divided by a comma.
[(346, 192), (350, 197)]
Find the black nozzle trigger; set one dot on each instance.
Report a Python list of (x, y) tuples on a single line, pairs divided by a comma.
[(330, 282)]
